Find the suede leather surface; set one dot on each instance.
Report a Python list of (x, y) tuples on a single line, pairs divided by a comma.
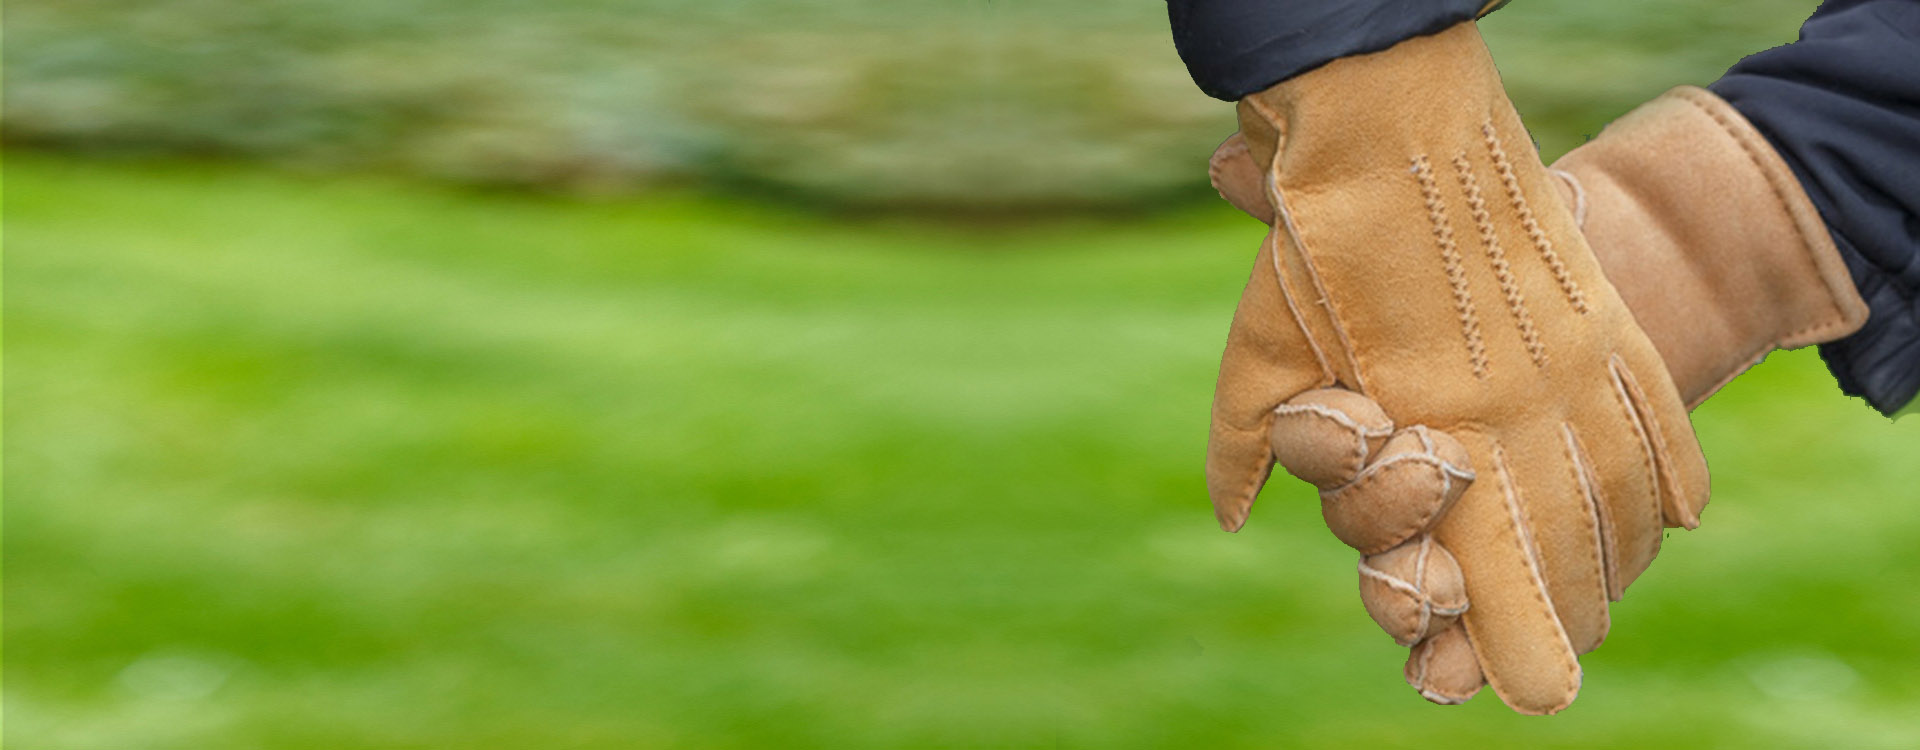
[(1425, 260), (1709, 238), (1413, 591)]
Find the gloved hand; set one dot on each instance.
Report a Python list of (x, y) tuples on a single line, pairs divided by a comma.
[(1427, 338), (1702, 227)]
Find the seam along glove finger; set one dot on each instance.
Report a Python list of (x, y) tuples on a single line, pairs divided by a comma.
[(1431, 271), (1707, 233)]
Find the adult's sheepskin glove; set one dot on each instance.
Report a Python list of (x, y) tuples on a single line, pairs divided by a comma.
[(1427, 338)]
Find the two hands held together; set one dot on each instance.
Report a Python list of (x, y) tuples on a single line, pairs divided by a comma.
[(1484, 364)]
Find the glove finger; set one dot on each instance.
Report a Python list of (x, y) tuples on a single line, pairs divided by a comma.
[(1567, 535), (1678, 463), (1522, 648), (1240, 179), (1325, 437), (1409, 484), (1268, 359), (1445, 668), (1413, 591)]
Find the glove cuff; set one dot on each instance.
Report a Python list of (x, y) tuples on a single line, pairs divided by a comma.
[(1709, 238)]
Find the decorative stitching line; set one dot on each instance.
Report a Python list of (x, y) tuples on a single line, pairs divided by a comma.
[(1541, 242), (1656, 442), (1280, 280), (1646, 454), (1297, 232), (1450, 258), (1516, 302), (1605, 554)]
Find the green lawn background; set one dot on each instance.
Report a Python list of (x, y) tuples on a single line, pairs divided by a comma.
[(300, 462)]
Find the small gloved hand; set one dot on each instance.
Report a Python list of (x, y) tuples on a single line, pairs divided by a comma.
[(1702, 227), (1427, 338)]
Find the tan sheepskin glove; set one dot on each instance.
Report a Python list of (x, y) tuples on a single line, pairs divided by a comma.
[(1427, 338), (1710, 239)]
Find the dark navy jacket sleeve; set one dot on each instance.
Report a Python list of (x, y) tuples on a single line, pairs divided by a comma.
[(1233, 48), (1842, 106)]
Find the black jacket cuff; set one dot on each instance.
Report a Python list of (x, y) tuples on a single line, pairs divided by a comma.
[(1233, 48)]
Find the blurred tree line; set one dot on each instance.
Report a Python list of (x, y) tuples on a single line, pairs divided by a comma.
[(978, 104)]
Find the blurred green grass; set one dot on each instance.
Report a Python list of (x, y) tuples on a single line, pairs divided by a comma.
[(363, 463)]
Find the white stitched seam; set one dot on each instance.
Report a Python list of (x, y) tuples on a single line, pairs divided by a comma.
[(1447, 471), (1280, 279), (1313, 276), (1605, 554), (1579, 196), (1300, 249), (1650, 460), (1335, 415), (1673, 494), (1361, 433), (1525, 539)]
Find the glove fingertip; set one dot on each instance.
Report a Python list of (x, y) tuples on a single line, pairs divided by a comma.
[(1238, 464), (1444, 669), (1231, 520)]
